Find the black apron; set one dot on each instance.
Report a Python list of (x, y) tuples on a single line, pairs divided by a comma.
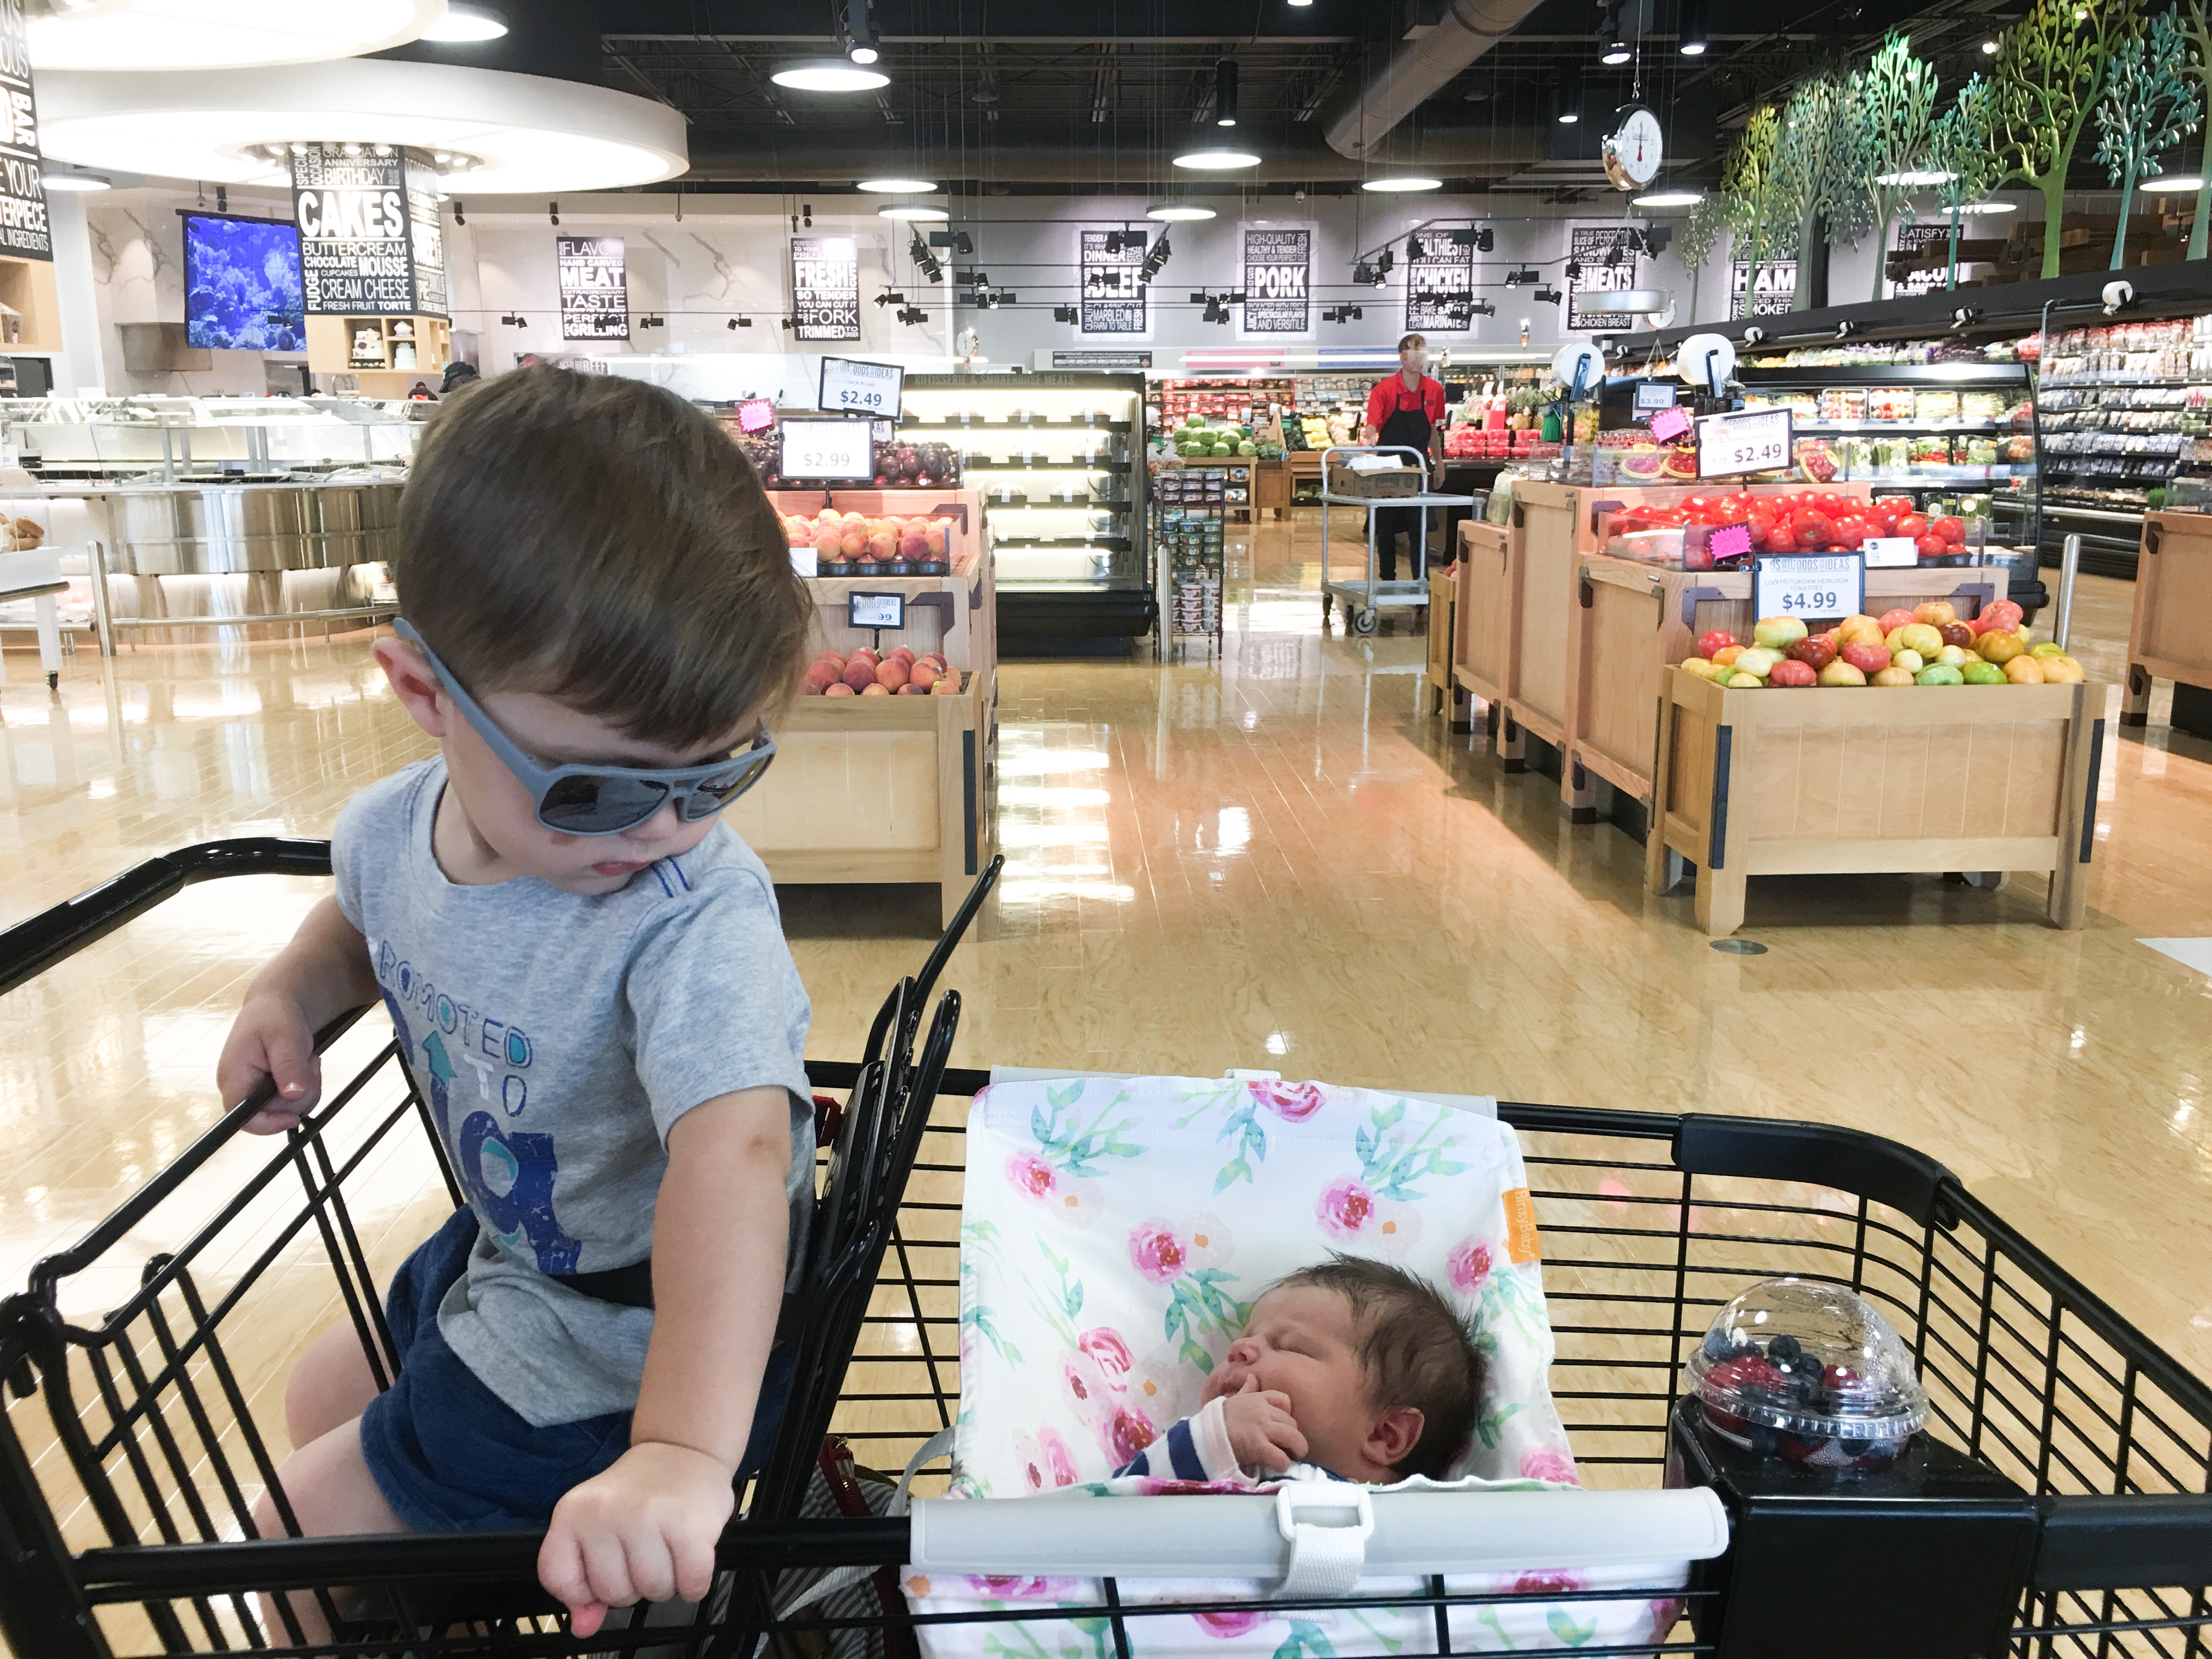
[(1410, 428)]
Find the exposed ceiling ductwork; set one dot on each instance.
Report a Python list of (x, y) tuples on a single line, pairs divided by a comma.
[(1365, 113)]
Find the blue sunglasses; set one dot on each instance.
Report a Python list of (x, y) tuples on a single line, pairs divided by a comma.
[(605, 800)]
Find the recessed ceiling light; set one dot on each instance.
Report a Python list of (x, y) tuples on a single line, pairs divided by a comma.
[(1670, 199), (896, 186), (169, 35), (465, 20), (1401, 183), (77, 181), (911, 210), (2169, 184), (1176, 213), (829, 75), (1216, 160)]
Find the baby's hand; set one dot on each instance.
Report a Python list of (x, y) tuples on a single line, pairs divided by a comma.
[(1262, 1431), (270, 1039), (645, 1529)]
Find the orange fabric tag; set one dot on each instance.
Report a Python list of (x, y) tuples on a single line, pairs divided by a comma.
[(1522, 1243)]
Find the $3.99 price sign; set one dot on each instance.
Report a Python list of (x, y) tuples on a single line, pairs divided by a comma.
[(1810, 586), (1748, 440)]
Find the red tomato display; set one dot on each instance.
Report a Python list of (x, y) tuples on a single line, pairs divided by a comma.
[(1951, 530), (1852, 531), (1912, 525), (1931, 547), (1896, 506)]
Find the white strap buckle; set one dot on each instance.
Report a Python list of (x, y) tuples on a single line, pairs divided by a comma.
[(1326, 1524)]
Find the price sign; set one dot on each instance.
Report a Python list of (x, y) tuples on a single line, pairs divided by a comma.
[(756, 415), (862, 388), (1748, 440), (827, 450), (1654, 395), (1891, 552), (876, 610), (1808, 585)]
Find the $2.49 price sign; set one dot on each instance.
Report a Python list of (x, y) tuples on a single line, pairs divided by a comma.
[(1808, 585), (1748, 440), (848, 385)]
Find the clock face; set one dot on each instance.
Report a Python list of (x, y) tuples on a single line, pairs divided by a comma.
[(1632, 154)]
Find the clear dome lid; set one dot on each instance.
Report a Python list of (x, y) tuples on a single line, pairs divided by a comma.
[(1809, 1359)]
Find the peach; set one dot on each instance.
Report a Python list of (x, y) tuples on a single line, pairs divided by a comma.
[(875, 690), (853, 541), (905, 653), (866, 654), (828, 515), (840, 690), (913, 689), (822, 674), (860, 676), (882, 545), (922, 676), (912, 544), (892, 675), (933, 538), (812, 688), (855, 518), (947, 687)]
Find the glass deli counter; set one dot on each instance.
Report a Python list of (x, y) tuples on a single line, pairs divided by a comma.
[(1059, 460)]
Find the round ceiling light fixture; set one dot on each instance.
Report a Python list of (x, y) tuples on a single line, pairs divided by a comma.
[(526, 133), (465, 20), (912, 211), (2169, 184), (1669, 198), (1402, 184), (896, 186), (1915, 179), (115, 35), (81, 182), (829, 75), (1216, 160), (1973, 209), (1176, 213)]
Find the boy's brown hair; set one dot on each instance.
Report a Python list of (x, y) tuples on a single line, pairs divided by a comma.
[(601, 541), (1414, 1348)]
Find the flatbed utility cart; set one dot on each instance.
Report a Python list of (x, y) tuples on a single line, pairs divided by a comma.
[(1364, 601), (2054, 1504)]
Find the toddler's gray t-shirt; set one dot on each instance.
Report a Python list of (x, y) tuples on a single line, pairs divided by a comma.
[(558, 1038)]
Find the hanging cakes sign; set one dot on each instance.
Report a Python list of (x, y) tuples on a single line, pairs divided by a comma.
[(356, 249)]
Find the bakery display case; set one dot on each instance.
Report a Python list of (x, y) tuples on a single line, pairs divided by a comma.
[(1057, 462), (169, 439)]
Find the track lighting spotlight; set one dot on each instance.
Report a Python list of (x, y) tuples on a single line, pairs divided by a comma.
[(553, 212), (460, 217), (739, 322), (1549, 296), (1066, 314), (1414, 248), (1522, 277)]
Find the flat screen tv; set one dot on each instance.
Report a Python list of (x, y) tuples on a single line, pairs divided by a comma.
[(242, 284)]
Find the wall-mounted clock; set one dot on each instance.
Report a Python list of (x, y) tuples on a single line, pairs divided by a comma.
[(1633, 150)]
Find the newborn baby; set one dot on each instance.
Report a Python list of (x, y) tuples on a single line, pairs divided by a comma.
[(1351, 1371)]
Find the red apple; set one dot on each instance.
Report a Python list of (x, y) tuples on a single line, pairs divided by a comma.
[(1713, 640), (1816, 651)]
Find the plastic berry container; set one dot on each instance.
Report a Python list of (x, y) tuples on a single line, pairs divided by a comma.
[(1808, 1372)]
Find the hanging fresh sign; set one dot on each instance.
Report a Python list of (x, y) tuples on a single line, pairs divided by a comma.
[(23, 228), (594, 287), (825, 288), (1113, 295), (1277, 266)]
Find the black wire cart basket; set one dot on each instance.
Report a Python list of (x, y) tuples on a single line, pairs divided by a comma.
[(2056, 1503)]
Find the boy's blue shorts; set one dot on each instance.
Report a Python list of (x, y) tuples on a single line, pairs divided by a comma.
[(450, 1455)]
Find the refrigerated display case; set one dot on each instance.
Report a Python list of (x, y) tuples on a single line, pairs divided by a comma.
[(1057, 460), (175, 439)]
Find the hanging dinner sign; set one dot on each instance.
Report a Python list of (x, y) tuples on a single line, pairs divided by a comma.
[(825, 288), (594, 287), (1113, 295)]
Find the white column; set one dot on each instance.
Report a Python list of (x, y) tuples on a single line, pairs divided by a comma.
[(80, 364)]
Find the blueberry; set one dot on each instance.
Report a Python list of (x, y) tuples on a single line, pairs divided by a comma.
[(1719, 1347), (1765, 1441), (1785, 1351)]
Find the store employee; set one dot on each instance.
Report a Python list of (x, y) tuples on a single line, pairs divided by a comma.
[(1407, 409)]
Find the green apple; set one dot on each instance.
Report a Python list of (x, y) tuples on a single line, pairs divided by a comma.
[(1778, 632)]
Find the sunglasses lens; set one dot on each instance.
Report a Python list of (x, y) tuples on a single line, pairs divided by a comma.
[(712, 794), (587, 804)]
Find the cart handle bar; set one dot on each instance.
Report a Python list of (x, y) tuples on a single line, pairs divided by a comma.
[(2112, 1543)]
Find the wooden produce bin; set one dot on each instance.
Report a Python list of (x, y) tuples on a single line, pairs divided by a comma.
[(1480, 613), (1633, 621), (875, 789), (1443, 603), (1271, 488), (1854, 779), (2170, 635)]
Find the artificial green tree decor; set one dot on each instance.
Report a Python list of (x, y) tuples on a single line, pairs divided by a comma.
[(2149, 106), (1694, 243), (1962, 148), (2200, 66), (1748, 187), (2050, 69), (1814, 166), (1891, 107)]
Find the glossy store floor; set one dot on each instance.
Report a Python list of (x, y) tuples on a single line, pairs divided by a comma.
[(1272, 859)]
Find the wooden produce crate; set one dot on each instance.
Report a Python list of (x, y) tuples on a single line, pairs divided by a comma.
[(1271, 488), (2171, 634), (1854, 779), (875, 789), (1443, 693), (1481, 658), (1633, 621)]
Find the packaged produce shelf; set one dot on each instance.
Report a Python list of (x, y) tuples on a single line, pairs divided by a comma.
[(1949, 375)]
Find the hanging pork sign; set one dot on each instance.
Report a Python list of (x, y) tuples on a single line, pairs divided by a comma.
[(1277, 266)]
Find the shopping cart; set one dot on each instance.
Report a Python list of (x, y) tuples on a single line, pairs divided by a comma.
[(2057, 1504), (1364, 600)]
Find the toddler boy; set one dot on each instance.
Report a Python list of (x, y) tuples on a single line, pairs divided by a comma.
[(588, 977), (1351, 1369)]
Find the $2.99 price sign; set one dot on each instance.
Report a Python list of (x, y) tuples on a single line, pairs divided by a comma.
[(1811, 585), (1748, 440)]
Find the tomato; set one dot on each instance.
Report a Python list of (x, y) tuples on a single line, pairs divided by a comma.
[(1852, 531), (1883, 524), (1896, 506), (1931, 547), (1779, 538), (1949, 529), (1912, 525)]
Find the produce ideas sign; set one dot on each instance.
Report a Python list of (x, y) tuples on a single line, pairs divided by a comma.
[(1439, 287), (356, 233), (594, 287), (23, 229), (1113, 298), (1277, 265), (1590, 247), (825, 288)]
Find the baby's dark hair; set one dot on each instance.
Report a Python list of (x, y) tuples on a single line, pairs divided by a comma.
[(1414, 1348)]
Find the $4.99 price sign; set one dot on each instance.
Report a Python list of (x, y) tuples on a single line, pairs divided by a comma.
[(1749, 440), (1811, 585)]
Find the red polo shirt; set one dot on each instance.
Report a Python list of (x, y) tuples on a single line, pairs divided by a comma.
[(1390, 396)]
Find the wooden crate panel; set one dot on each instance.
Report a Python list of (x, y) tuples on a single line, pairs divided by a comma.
[(1621, 675), (1479, 631), (1543, 570), (2173, 609), (1972, 778), (866, 789), (1689, 780)]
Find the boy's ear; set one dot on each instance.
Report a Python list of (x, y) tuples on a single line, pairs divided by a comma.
[(1395, 1434), (414, 682)]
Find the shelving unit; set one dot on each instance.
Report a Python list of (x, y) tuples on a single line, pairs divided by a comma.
[(1190, 509)]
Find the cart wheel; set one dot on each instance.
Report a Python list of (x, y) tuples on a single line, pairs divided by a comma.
[(1365, 621), (1327, 600), (54, 681)]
